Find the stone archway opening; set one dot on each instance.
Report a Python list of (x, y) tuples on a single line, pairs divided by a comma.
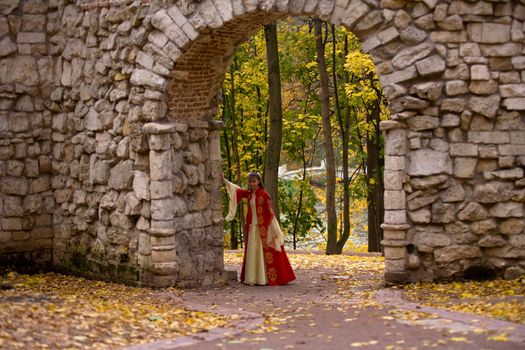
[(199, 72), (199, 80)]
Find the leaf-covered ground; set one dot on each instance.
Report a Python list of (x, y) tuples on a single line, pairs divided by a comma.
[(52, 311), (500, 299)]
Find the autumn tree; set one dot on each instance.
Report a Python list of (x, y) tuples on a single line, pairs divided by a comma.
[(273, 148), (331, 246)]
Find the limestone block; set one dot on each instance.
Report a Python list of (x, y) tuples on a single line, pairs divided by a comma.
[(310, 6), (512, 226), (141, 184), (420, 216), (479, 72), (12, 206), (402, 19), (325, 8), (512, 90), (514, 104), (463, 149), (409, 56), (354, 12), (392, 253), (428, 181), (7, 47), (418, 200), (507, 251), (473, 212), (456, 252), (162, 209), (13, 185), (398, 76), (486, 106), (121, 175), (191, 173), (160, 165), (161, 189), (159, 142), (443, 213), (11, 224), (393, 180), (22, 70), (394, 199), (481, 87), (492, 192), (395, 217), (452, 23), (461, 71), (431, 65), (484, 227), (395, 142), (492, 241), (449, 37), (143, 77), (99, 170), (425, 240), (501, 50), (429, 90), (489, 33), (507, 209), (371, 20), (425, 22), (413, 35), (429, 162), (453, 105), (456, 87), (507, 174), (179, 206), (490, 137), (511, 150), (454, 193), (123, 148), (423, 122), (465, 168)]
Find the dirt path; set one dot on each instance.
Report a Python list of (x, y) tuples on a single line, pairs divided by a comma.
[(312, 313)]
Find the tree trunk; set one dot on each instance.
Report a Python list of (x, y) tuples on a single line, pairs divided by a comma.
[(344, 128), (234, 243), (331, 246), (374, 164), (273, 149), (235, 148)]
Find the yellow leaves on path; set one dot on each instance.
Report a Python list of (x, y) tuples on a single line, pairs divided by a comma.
[(51, 311), (500, 299)]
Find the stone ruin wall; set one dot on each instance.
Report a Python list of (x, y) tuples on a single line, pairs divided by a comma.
[(110, 159), (27, 132)]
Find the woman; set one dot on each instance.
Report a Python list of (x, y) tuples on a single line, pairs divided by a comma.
[(265, 261)]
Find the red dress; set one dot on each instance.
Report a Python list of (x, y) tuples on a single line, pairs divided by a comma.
[(278, 268)]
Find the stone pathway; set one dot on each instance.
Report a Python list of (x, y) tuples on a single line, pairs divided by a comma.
[(309, 314)]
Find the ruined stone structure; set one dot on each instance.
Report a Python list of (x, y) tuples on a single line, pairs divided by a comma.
[(110, 157)]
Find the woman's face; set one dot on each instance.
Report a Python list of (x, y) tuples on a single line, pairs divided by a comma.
[(253, 183)]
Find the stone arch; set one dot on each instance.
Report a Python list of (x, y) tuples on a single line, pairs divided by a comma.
[(135, 154), (216, 28), (203, 42)]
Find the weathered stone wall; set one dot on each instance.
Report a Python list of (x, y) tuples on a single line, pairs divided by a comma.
[(26, 133), (127, 91)]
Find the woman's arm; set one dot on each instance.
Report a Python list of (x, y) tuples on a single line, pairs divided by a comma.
[(235, 194)]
